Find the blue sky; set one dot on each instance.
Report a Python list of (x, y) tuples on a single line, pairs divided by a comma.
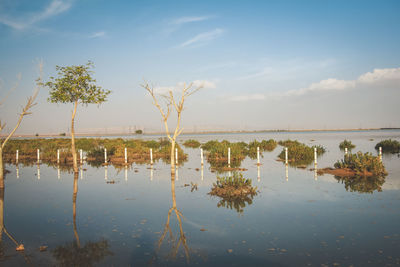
[(264, 64)]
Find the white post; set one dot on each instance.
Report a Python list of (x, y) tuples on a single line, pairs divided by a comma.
[(126, 156), (151, 156), (258, 155), (315, 172), (229, 156), (201, 155), (58, 156), (345, 150), (38, 156), (17, 171), (105, 155), (315, 155), (16, 157), (286, 155), (176, 156), (81, 155), (380, 153)]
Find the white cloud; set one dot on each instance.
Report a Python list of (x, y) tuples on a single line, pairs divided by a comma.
[(97, 35), (204, 83), (378, 78), (54, 8), (203, 38), (184, 20), (242, 98)]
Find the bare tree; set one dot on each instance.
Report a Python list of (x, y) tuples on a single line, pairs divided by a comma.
[(25, 111), (172, 104)]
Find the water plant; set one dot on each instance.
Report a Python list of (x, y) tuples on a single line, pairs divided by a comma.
[(362, 164), (299, 153), (389, 146), (235, 191), (346, 144), (362, 184), (192, 143)]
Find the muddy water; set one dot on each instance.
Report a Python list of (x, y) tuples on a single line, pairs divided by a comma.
[(121, 215)]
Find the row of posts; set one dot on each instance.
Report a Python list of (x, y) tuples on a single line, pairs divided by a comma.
[(176, 155)]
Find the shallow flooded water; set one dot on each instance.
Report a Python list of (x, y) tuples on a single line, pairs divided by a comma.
[(134, 217)]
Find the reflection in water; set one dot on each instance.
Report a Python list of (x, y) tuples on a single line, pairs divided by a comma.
[(17, 171), (175, 242), (151, 173), (258, 173), (38, 171), (58, 172), (287, 172), (106, 172), (19, 246), (126, 173), (81, 172), (202, 172), (177, 173), (71, 253), (362, 184), (315, 171)]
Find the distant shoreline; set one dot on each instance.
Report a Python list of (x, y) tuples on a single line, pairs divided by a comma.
[(201, 133)]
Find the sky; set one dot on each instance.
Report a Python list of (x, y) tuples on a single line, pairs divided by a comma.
[(264, 64)]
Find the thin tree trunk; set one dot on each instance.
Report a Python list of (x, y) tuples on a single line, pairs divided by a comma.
[(1, 212), (73, 150), (173, 160), (1, 169), (74, 196)]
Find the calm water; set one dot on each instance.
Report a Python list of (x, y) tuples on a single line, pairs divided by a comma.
[(296, 219)]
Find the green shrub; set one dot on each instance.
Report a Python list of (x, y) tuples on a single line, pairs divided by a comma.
[(192, 143), (362, 163), (389, 146), (346, 144), (299, 153)]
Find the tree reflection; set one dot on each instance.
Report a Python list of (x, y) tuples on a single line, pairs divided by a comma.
[(19, 246), (72, 253), (179, 239), (362, 184)]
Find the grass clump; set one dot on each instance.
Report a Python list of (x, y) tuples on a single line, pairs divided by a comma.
[(362, 164), (389, 146), (235, 192), (346, 144), (299, 153), (192, 143)]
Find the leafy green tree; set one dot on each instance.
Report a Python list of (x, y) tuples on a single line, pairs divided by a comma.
[(75, 85)]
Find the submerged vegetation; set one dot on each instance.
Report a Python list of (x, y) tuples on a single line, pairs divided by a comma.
[(137, 150), (235, 192), (346, 144), (299, 153), (217, 152), (389, 146), (192, 143)]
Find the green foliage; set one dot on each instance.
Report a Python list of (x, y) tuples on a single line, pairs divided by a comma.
[(138, 132), (235, 192), (138, 150), (192, 143), (389, 146), (236, 181), (75, 83), (264, 145), (299, 153), (362, 163), (62, 134), (346, 143)]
